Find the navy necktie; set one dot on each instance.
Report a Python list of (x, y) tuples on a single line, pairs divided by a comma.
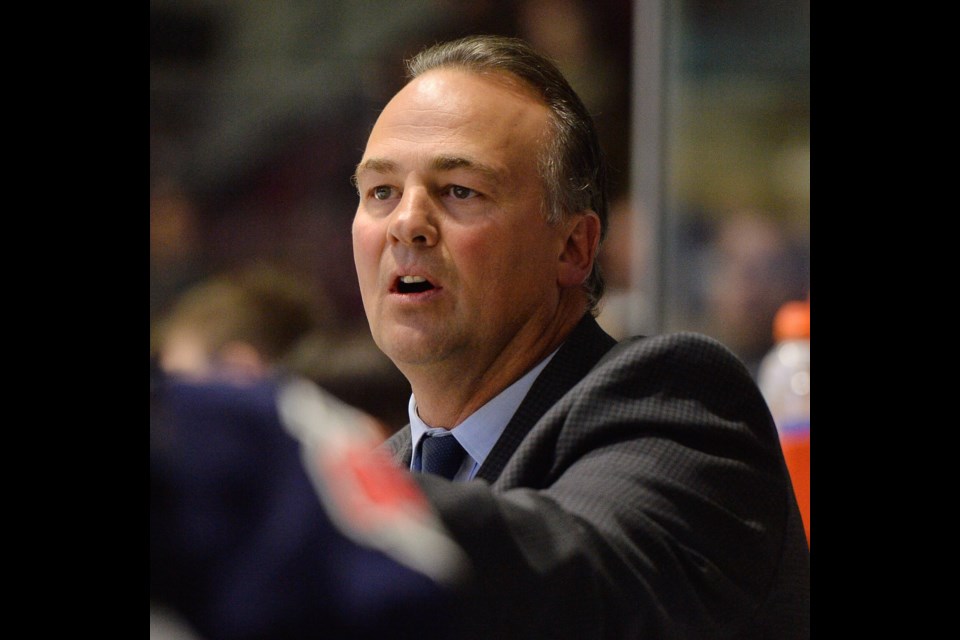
[(441, 455)]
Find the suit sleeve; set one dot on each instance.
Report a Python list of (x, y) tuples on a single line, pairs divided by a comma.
[(651, 502)]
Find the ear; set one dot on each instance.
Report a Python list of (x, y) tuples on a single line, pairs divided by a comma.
[(579, 249), (240, 361)]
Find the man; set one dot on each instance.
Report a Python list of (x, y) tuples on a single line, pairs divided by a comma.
[(632, 490), (602, 490)]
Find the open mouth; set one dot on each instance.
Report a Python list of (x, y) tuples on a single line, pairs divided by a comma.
[(413, 284)]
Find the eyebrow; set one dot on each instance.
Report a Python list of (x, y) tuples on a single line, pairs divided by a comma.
[(377, 165)]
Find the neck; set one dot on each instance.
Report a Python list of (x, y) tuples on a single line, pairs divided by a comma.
[(449, 392)]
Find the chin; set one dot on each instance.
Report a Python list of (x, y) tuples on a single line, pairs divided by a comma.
[(405, 346)]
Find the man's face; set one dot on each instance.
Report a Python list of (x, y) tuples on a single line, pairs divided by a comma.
[(455, 259)]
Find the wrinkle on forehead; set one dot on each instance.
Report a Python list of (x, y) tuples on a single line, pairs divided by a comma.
[(451, 119), (437, 163), (452, 95)]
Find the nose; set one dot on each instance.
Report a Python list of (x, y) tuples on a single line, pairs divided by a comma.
[(413, 221)]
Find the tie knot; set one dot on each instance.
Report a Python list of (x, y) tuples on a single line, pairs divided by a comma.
[(441, 455)]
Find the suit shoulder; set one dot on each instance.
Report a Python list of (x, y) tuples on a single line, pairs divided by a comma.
[(678, 365), (680, 350)]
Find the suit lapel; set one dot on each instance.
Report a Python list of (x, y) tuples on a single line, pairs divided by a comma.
[(585, 346), (400, 447)]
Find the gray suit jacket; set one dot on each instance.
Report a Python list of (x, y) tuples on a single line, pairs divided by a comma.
[(638, 492)]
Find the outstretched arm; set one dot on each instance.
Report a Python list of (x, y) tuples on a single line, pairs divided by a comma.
[(651, 501)]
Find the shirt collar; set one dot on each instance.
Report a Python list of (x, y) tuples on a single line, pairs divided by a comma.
[(481, 430)]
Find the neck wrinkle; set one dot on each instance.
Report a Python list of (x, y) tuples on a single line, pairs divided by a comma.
[(446, 398)]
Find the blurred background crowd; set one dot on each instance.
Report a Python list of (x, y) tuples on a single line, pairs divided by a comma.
[(259, 111)]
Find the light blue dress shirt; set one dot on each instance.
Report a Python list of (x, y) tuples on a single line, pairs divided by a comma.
[(481, 430)]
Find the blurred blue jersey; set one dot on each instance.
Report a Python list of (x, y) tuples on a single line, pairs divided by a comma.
[(259, 531)]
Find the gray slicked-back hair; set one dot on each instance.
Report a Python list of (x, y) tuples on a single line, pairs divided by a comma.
[(572, 165)]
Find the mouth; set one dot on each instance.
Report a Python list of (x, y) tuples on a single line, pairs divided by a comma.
[(412, 284)]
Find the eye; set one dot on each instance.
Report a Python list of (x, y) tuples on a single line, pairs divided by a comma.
[(461, 193), (381, 192)]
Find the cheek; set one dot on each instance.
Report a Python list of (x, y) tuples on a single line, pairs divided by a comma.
[(536, 248), (480, 255), (367, 245), (504, 261)]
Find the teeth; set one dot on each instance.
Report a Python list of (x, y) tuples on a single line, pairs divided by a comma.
[(412, 279)]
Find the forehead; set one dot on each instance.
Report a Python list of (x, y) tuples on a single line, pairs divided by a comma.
[(450, 111)]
